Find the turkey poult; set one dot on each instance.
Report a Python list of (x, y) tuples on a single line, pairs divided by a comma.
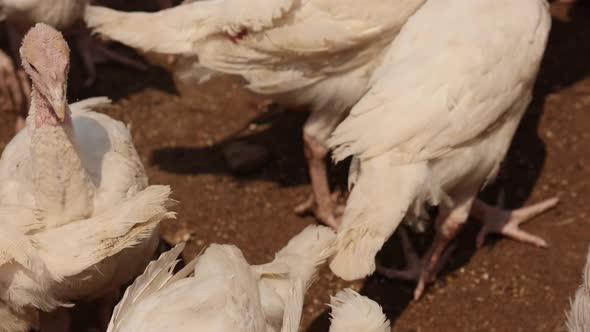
[(319, 53), (435, 125), (77, 217), (578, 318), (352, 312), (225, 293), (66, 15)]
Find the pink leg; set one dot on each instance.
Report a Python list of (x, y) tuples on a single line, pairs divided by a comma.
[(414, 264), (322, 203), (498, 221), (448, 224)]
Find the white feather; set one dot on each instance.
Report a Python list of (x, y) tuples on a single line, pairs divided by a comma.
[(438, 119), (156, 276), (225, 293), (352, 312), (53, 259), (281, 54)]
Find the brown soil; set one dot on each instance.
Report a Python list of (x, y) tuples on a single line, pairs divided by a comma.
[(505, 286)]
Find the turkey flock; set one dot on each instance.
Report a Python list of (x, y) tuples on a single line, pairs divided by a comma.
[(424, 114)]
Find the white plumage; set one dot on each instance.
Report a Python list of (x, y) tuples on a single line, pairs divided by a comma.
[(352, 312), (47, 261), (578, 318), (438, 119), (77, 216), (313, 52), (225, 293)]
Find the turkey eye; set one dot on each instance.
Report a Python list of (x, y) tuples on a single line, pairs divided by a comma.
[(34, 69)]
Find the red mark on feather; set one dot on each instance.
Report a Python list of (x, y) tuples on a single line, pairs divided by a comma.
[(243, 33)]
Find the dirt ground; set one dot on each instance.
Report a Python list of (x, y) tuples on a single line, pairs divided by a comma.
[(181, 131)]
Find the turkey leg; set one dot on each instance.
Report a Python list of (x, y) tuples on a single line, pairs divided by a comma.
[(322, 203), (495, 221), (507, 222)]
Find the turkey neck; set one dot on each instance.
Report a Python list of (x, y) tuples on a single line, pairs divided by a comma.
[(63, 189)]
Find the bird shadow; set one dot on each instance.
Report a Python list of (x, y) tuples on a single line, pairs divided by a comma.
[(565, 63), (116, 81), (281, 136)]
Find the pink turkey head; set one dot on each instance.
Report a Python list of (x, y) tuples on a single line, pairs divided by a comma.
[(46, 59)]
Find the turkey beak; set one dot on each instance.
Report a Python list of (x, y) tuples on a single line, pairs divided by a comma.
[(59, 104)]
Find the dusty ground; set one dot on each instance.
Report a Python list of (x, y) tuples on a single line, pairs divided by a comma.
[(505, 286)]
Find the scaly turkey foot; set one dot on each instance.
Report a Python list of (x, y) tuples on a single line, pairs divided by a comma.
[(498, 221), (322, 203), (432, 263), (93, 51), (415, 266), (448, 223), (327, 211), (413, 263)]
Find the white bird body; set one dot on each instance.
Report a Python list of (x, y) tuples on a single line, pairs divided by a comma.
[(83, 239), (105, 149), (438, 118), (225, 293), (317, 53), (352, 312), (282, 54)]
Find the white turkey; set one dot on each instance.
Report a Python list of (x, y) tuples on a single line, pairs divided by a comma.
[(578, 318), (66, 15), (436, 124), (220, 291), (319, 53), (354, 312), (77, 217)]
